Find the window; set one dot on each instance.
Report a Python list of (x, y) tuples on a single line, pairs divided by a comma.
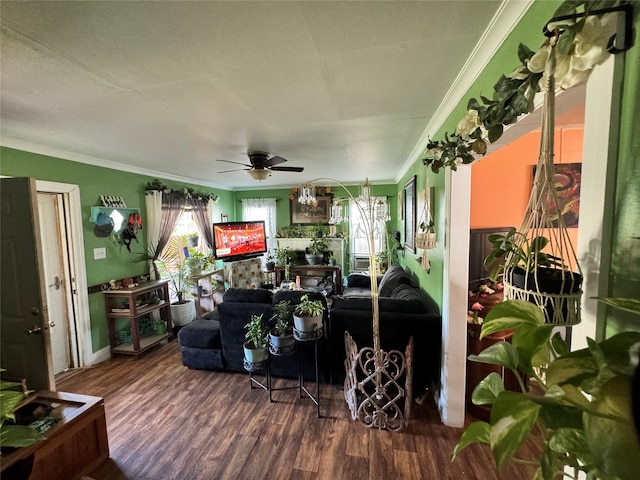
[(262, 209), (358, 231)]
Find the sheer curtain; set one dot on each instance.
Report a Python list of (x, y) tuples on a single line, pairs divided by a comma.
[(262, 209), (202, 214)]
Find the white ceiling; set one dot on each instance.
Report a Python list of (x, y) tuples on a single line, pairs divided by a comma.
[(343, 89)]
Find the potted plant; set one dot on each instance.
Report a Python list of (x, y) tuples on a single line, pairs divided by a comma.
[(315, 251), (183, 311), (284, 256), (580, 409), (193, 239), (255, 348), (160, 326), (307, 315), (197, 262), (281, 335), (533, 270), (270, 263), (333, 260)]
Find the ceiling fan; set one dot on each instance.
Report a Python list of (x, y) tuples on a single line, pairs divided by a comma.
[(261, 165)]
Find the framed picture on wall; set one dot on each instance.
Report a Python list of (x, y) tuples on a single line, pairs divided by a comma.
[(302, 214), (567, 180), (410, 215)]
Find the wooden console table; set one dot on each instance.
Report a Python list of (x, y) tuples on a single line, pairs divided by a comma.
[(336, 273), (74, 446)]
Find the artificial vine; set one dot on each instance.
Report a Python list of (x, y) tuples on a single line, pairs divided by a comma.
[(580, 46), (189, 193)]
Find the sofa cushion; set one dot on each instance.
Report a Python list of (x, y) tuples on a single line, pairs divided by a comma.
[(358, 280), (386, 304), (201, 333), (246, 295), (394, 276), (411, 296), (293, 296)]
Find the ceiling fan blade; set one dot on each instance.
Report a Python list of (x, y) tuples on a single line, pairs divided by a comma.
[(275, 161), (286, 169), (235, 170), (231, 161)]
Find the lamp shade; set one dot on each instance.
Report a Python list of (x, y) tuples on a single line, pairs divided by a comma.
[(259, 174)]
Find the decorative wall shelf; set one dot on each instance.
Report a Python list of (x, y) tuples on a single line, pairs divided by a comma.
[(125, 212)]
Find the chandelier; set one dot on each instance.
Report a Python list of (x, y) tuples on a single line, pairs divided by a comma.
[(307, 194), (338, 213)]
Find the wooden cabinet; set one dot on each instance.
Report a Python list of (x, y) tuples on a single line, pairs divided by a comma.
[(74, 446), (137, 306), (207, 290)]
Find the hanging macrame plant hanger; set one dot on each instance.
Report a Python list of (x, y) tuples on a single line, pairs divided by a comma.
[(543, 267)]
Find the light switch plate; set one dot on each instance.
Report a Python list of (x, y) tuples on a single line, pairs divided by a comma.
[(99, 253)]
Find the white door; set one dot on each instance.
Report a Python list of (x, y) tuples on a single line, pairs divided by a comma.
[(24, 339), (56, 276)]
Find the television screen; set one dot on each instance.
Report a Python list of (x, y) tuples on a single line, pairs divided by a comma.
[(237, 240)]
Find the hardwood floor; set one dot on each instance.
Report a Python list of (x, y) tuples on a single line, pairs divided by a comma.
[(168, 422)]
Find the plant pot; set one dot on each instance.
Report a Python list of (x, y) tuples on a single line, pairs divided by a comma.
[(270, 266), (313, 259), (550, 281), (307, 324), (282, 343), (193, 241), (183, 313), (332, 262), (255, 355)]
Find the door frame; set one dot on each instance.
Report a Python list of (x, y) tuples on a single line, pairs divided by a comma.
[(81, 324)]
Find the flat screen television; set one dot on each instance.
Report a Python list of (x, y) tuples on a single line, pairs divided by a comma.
[(238, 240)]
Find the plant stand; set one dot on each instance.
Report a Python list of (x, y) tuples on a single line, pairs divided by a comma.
[(372, 387), (265, 384), (313, 336)]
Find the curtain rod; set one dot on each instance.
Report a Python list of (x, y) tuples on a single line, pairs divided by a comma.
[(620, 41)]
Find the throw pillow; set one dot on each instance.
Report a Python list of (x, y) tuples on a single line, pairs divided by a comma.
[(359, 281)]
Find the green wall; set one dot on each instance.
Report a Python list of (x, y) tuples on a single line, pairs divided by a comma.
[(94, 181), (505, 60)]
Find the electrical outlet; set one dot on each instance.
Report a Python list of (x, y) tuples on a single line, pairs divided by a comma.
[(99, 253)]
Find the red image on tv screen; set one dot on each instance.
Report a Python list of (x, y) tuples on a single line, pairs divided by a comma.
[(237, 239)]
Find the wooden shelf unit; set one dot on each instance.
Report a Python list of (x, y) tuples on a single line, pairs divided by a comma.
[(206, 298), (114, 302), (312, 270)]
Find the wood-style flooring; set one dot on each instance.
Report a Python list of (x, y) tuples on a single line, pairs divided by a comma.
[(168, 422)]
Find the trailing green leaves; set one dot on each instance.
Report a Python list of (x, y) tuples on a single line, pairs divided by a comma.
[(581, 419)]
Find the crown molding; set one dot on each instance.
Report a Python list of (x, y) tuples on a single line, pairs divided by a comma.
[(503, 22)]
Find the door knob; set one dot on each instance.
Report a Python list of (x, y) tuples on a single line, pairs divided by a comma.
[(35, 311), (34, 329)]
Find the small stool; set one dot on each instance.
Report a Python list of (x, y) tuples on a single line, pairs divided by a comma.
[(200, 345)]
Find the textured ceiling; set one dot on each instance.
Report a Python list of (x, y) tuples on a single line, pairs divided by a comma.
[(343, 89)]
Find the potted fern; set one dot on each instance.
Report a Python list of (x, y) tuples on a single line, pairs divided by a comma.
[(307, 315), (281, 335), (255, 348)]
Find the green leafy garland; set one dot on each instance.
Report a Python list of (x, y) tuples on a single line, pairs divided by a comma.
[(512, 96), (188, 193)]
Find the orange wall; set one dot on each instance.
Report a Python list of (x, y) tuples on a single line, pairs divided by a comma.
[(501, 182)]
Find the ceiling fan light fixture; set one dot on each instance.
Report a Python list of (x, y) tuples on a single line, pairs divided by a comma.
[(259, 174)]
